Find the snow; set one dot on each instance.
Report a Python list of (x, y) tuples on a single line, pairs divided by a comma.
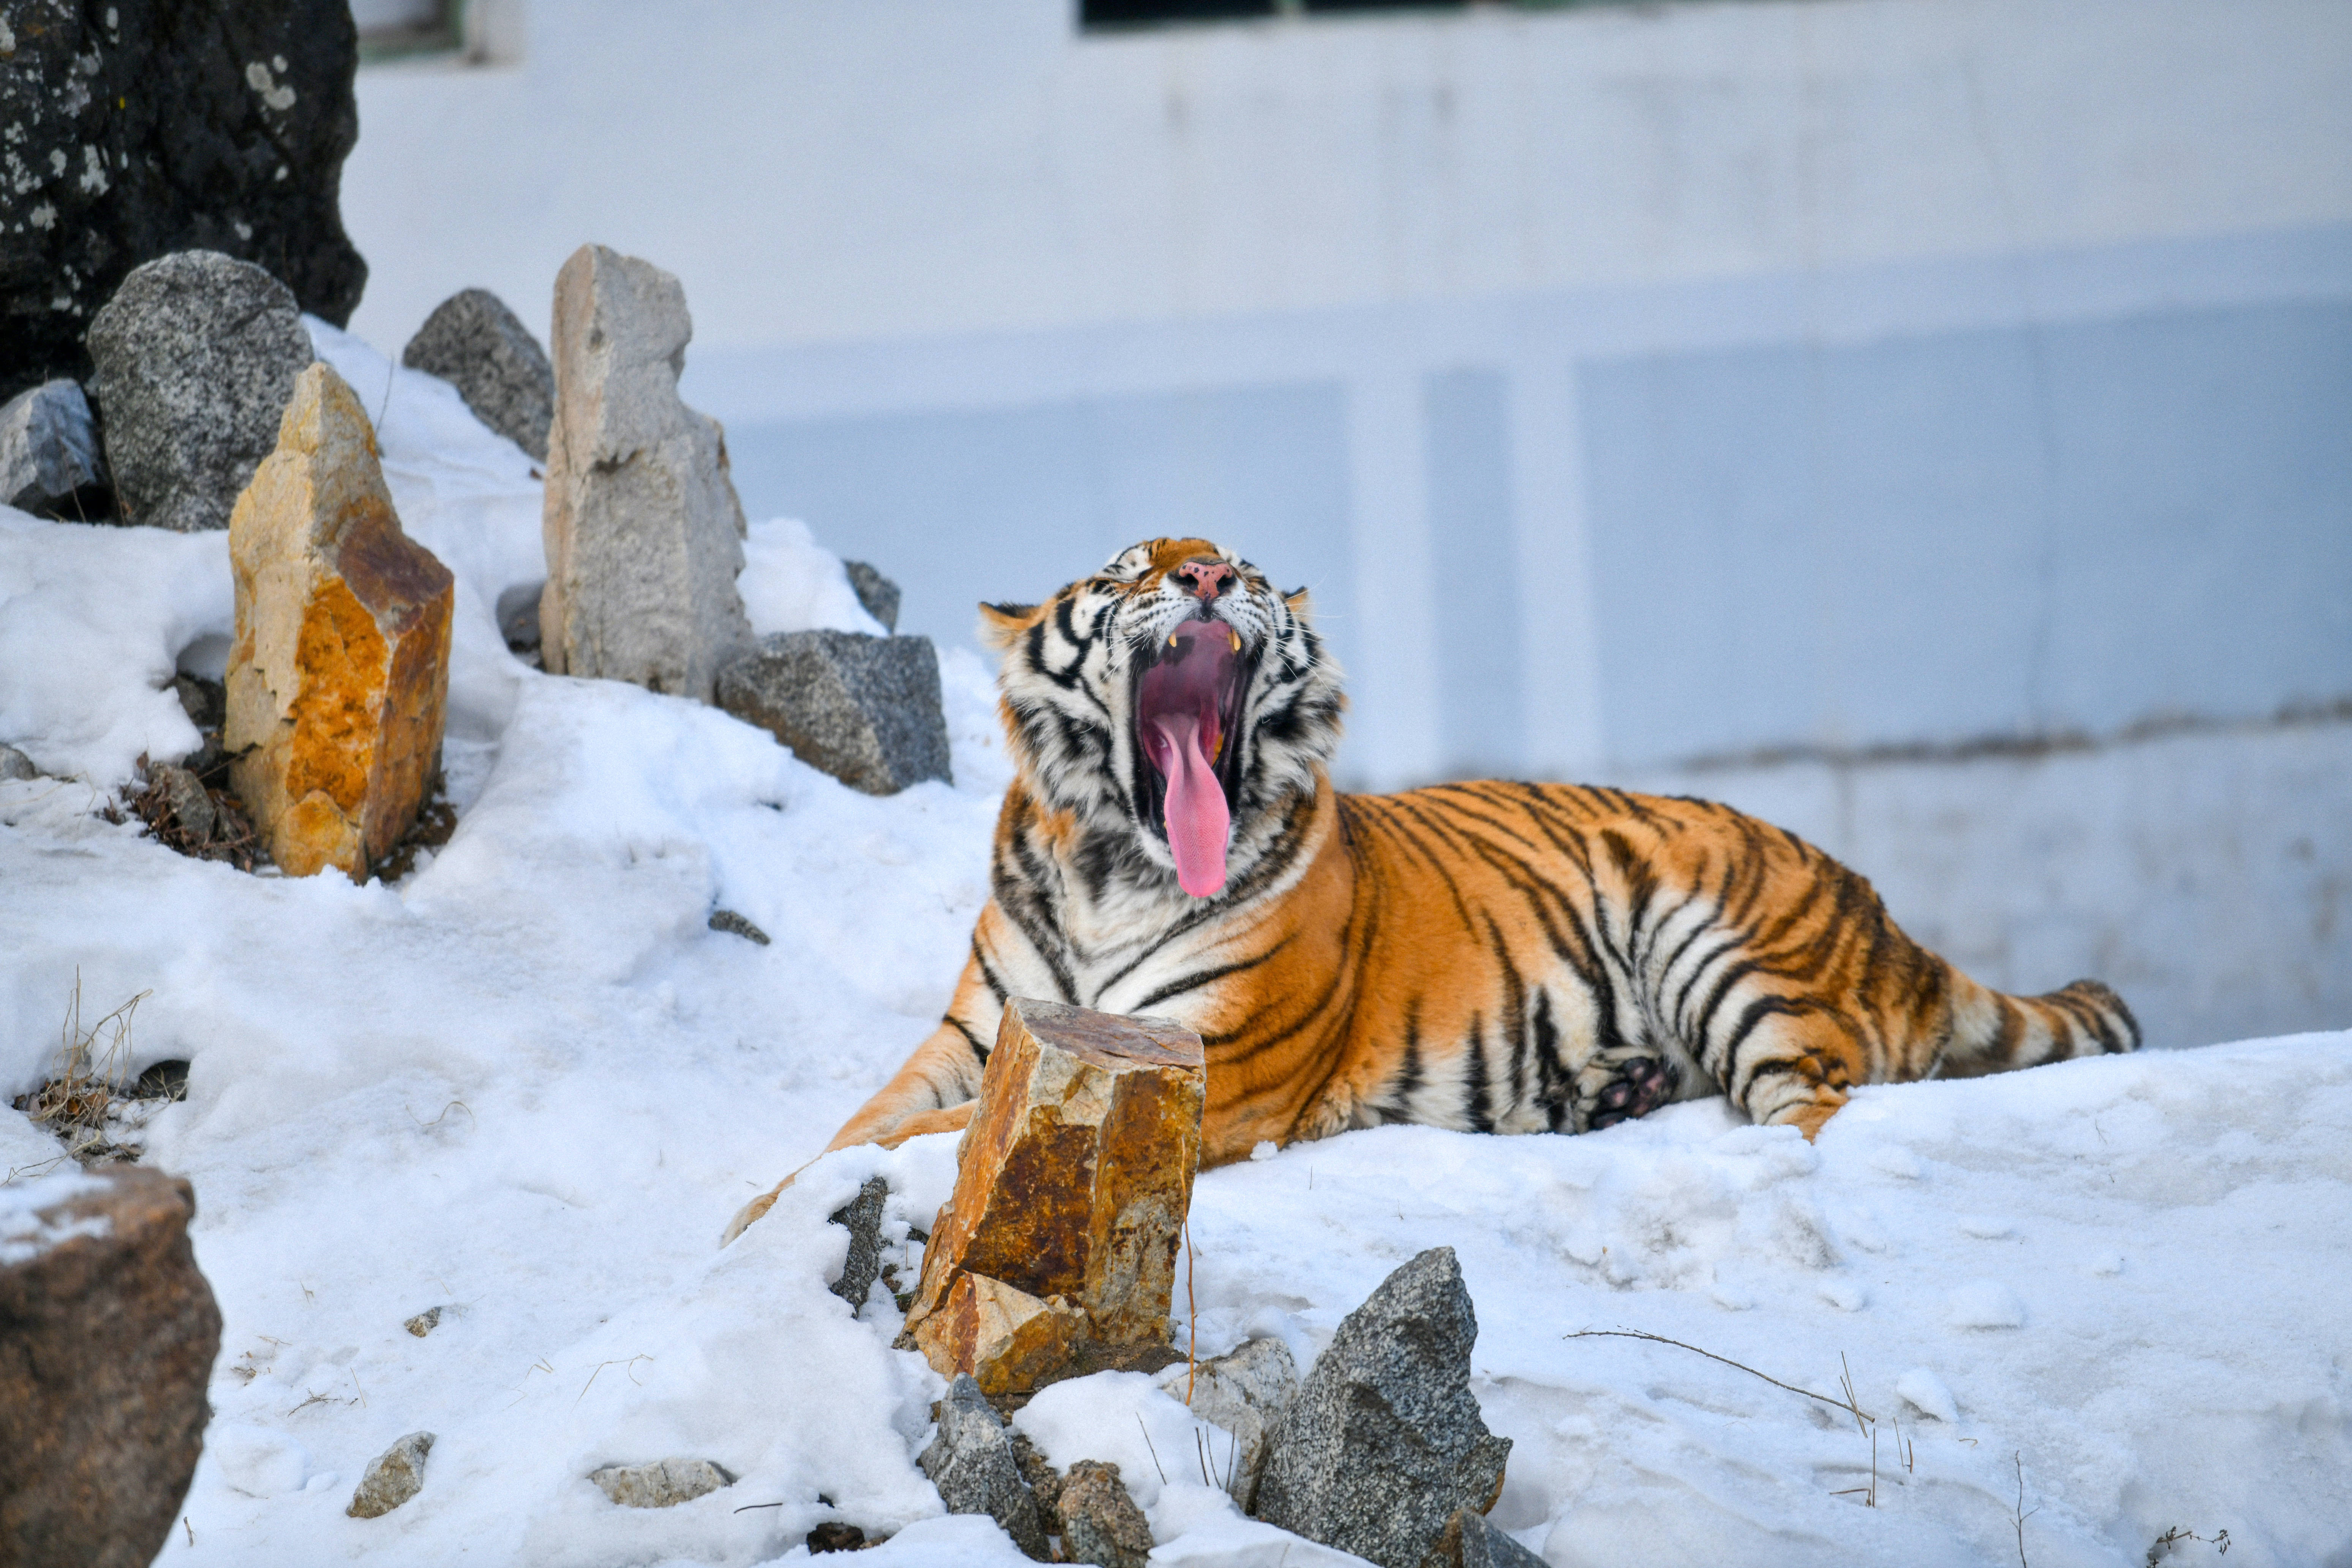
[(528, 1085)]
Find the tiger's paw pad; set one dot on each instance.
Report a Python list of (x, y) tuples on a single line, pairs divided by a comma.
[(1641, 1085)]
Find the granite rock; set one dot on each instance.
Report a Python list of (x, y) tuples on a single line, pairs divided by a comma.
[(1055, 1253), (864, 708), (475, 344), (862, 1218), (1101, 1523), (1469, 1542), (109, 1334), (1383, 1440), (338, 674), (194, 362), (642, 531), (1245, 1392), (139, 128), (665, 1483), (970, 1461), (50, 462), (16, 764), (392, 1477)]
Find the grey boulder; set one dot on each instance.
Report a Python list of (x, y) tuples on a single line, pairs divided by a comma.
[(970, 1461), (475, 344), (194, 361), (864, 708), (392, 1477), (48, 448), (642, 531), (665, 1483), (1384, 1442), (876, 593), (1244, 1392), (16, 764)]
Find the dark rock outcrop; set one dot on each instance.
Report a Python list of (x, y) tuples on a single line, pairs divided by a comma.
[(139, 128), (107, 1339), (864, 708), (475, 344), (1384, 1442), (195, 360)]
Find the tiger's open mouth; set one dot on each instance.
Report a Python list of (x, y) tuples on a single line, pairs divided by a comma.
[(1188, 705)]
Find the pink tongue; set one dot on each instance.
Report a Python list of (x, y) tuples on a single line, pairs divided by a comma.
[(1197, 819)]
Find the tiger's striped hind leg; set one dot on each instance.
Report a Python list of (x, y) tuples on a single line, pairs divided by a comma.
[(1793, 1064)]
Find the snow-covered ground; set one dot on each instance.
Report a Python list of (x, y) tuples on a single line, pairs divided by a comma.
[(528, 1085)]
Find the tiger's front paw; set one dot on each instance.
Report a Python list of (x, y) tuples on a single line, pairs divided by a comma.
[(1641, 1085)]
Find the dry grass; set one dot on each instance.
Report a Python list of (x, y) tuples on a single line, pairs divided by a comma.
[(86, 1079)]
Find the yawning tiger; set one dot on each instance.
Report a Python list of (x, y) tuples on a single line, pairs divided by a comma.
[(1496, 957)]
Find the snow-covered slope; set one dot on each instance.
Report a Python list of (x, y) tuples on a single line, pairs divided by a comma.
[(529, 1085)]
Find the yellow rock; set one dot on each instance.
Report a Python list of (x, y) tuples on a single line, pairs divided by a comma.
[(1055, 1255), (339, 678)]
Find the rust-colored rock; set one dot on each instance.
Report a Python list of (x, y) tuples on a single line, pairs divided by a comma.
[(107, 1339), (339, 679), (1056, 1254)]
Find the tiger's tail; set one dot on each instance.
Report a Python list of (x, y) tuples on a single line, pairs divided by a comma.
[(1992, 1032)]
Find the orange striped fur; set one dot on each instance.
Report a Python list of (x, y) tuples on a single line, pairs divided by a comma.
[(1495, 957)]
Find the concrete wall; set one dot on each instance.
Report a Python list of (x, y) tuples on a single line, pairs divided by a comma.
[(1635, 387)]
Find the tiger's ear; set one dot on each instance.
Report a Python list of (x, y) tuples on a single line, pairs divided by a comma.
[(1000, 623), (1301, 604)]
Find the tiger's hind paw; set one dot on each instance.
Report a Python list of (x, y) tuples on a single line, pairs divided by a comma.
[(1641, 1085)]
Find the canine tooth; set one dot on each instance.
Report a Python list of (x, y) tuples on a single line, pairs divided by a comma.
[(1171, 639), (1237, 637)]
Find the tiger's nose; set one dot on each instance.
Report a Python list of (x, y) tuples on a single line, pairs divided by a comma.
[(1204, 579)]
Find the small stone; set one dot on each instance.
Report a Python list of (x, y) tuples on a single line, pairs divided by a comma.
[(475, 344), (642, 531), (734, 925), (862, 1216), (518, 617), (339, 676), (970, 1461), (16, 764), (185, 797), (205, 702), (1056, 1254), (864, 708), (1384, 1441), (876, 591), (1469, 1542), (195, 360), (392, 1477), (665, 1483), (1244, 1392), (425, 1322), (48, 448), (1101, 1523), (109, 1333)]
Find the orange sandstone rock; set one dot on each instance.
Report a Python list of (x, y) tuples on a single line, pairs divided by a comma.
[(339, 678), (1055, 1255)]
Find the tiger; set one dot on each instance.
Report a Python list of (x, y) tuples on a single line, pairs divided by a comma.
[(1490, 957)]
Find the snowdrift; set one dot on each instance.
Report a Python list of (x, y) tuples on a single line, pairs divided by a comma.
[(529, 1084)]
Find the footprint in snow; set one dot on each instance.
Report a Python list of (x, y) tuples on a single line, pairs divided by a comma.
[(1987, 1304)]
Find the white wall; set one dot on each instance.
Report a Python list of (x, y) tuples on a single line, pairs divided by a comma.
[(1634, 385)]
